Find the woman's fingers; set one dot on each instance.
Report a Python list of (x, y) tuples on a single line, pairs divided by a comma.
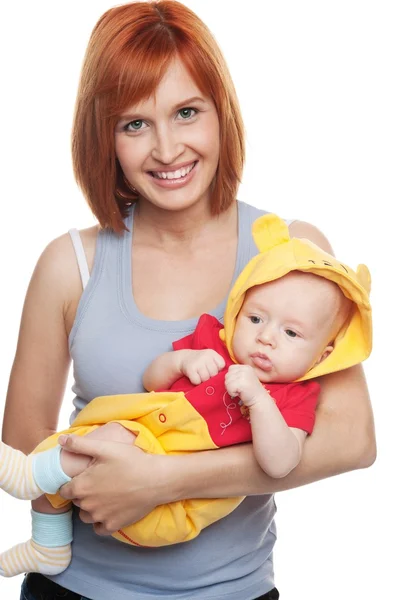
[(81, 445), (85, 517)]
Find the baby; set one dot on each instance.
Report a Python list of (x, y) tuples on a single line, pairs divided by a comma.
[(293, 314), (284, 328)]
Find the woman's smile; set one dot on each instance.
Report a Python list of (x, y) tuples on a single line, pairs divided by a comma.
[(173, 178)]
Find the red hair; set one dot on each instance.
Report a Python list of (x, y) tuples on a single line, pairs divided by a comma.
[(129, 52)]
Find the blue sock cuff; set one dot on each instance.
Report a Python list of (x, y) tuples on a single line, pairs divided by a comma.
[(52, 531), (47, 470)]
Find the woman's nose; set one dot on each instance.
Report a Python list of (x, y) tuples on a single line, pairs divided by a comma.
[(167, 148)]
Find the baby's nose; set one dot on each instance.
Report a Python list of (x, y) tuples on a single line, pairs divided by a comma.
[(267, 336)]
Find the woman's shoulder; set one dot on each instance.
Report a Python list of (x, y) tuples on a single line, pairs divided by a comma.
[(59, 254), (89, 240), (57, 268), (302, 229), (299, 229)]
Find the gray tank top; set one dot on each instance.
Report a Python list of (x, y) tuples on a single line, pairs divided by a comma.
[(111, 344)]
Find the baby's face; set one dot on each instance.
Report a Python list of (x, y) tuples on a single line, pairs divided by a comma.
[(285, 326)]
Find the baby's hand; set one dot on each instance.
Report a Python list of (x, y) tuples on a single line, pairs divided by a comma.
[(201, 365), (241, 380)]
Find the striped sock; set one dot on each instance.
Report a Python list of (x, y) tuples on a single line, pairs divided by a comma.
[(49, 550), (16, 476), (33, 558)]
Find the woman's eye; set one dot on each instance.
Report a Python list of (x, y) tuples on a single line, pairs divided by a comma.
[(291, 333), (187, 113), (255, 320), (134, 125)]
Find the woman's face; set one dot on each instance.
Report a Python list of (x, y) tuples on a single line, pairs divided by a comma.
[(168, 145)]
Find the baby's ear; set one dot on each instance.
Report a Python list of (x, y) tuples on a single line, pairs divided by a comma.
[(364, 277), (327, 352), (269, 231)]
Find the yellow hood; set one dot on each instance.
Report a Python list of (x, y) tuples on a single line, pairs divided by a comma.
[(279, 254)]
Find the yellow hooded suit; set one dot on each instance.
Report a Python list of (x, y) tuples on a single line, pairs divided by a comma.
[(170, 423)]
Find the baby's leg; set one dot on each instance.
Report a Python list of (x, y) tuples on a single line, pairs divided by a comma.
[(27, 477), (49, 550), (16, 474), (17, 478), (73, 464)]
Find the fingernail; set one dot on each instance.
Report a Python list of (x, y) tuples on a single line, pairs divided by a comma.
[(62, 440)]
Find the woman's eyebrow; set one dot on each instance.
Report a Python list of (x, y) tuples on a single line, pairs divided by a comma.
[(189, 101)]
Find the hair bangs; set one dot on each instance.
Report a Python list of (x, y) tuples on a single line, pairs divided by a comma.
[(138, 72)]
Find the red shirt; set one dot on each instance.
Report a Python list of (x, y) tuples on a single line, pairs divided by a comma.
[(226, 423)]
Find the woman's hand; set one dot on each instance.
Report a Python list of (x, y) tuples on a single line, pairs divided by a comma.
[(121, 485)]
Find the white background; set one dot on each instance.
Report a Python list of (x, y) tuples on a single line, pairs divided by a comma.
[(318, 85)]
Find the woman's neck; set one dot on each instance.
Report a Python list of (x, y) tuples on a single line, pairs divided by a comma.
[(166, 228)]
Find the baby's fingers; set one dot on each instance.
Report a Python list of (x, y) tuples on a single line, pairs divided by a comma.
[(231, 386), (204, 373), (214, 367), (235, 370), (220, 362), (194, 376)]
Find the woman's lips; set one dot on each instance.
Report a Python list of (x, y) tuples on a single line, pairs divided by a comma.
[(262, 362), (174, 184)]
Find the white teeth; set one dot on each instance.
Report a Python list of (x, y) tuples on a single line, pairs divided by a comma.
[(173, 174)]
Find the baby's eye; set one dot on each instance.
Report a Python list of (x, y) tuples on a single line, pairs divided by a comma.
[(291, 333), (255, 320)]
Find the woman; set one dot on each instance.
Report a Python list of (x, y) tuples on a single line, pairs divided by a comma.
[(158, 153)]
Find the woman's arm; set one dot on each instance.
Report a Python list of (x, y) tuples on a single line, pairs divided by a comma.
[(342, 440), (41, 363)]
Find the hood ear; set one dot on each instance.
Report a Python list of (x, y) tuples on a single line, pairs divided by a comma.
[(364, 277), (269, 231)]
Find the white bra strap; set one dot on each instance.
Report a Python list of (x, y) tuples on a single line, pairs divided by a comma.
[(80, 256)]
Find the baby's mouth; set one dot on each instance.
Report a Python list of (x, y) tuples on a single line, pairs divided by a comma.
[(262, 361)]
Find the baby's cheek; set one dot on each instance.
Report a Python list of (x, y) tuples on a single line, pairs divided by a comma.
[(236, 347), (292, 367)]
